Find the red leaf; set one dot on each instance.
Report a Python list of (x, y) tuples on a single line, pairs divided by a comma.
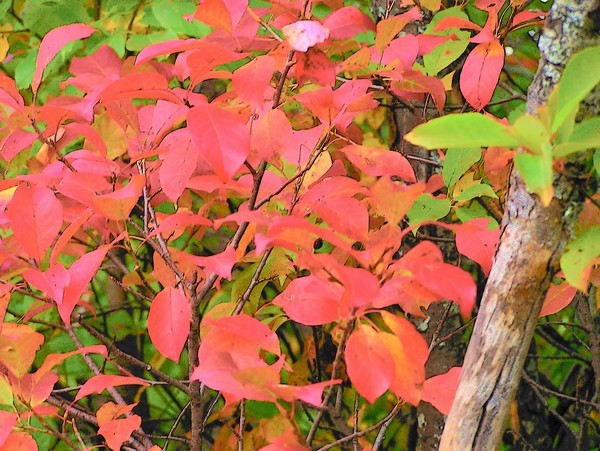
[(139, 85), (475, 240), (480, 73), (178, 221), (96, 71), (221, 14), (97, 384), (116, 431), (404, 49), (456, 22), (347, 22), (167, 48), (52, 360), (198, 64), (527, 16), (220, 264), (409, 352), (52, 282), (369, 364), (271, 135), (19, 441), (416, 82), (425, 266), (332, 199), (313, 65), (388, 29), (304, 34), (223, 139), (169, 322), (558, 297), (53, 42), (439, 390), (178, 163), (252, 80), (377, 162), (80, 275), (312, 301), (36, 217), (15, 142), (118, 204)]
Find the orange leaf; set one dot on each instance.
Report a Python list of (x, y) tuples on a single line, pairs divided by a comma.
[(18, 346), (370, 366), (118, 204)]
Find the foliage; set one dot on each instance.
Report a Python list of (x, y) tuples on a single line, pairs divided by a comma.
[(202, 206)]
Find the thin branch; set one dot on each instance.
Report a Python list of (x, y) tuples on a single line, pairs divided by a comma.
[(334, 371)]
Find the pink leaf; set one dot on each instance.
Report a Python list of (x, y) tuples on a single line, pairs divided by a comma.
[(97, 384), (439, 390), (304, 34), (347, 22), (480, 73), (223, 139), (53, 42), (169, 322), (36, 218)]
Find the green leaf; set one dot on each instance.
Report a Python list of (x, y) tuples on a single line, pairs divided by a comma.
[(474, 191), (427, 208), (586, 135), (462, 130), (41, 16), (579, 257), (472, 211), (597, 161), (536, 171), (448, 52), (531, 133), (457, 161), (581, 75), (170, 15)]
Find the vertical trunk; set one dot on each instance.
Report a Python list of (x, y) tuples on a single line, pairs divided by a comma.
[(532, 241)]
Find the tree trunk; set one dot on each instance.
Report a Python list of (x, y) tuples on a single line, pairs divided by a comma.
[(532, 241)]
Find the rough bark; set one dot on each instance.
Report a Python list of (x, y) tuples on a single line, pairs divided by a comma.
[(532, 241)]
